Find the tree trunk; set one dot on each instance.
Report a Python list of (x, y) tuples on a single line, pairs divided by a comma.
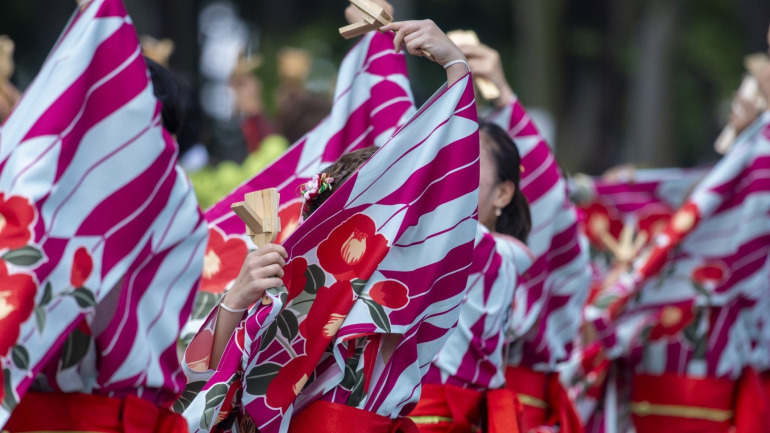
[(649, 139)]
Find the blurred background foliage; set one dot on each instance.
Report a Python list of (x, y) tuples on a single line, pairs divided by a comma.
[(613, 81)]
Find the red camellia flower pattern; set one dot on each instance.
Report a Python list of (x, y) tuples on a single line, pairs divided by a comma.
[(17, 299), (240, 337), (285, 387), (222, 262), (654, 222), (390, 293), (672, 320), (598, 220), (353, 250), (82, 265), (294, 276), (325, 317), (289, 215), (16, 216), (198, 352), (684, 220), (711, 274)]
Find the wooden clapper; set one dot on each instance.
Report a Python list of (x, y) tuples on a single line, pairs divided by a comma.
[(259, 211), (488, 89), (374, 17)]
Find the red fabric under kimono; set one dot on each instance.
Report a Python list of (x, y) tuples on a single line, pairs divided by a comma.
[(78, 412), (452, 409), (325, 416), (544, 400), (702, 405)]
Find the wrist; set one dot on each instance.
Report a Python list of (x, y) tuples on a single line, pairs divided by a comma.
[(506, 97), (230, 302), (461, 62), (454, 55)]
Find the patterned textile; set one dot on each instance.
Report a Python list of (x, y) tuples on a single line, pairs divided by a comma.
[(547, 322), (693, 305), (705, 273), (372, 100), (388, 254), (101, 238), (643, 200), (473, 355)]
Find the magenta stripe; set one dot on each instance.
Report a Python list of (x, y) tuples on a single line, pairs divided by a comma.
[(425, 278), (111, 9), (101, 103), (560, 241), (135, 286), (89, 170), (547, 173), (738, 197), (723, 320), (107, 57), (58, 119), (158, 260), (120, 242)]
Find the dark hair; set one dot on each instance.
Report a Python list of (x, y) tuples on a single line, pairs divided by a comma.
[(299, 111), (341, 171), (515, 219), (168, 90)]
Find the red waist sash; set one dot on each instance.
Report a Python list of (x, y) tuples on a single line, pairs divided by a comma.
[(672, 403), (449, 408), (53, 412), (327, 417), (766, 384), (544, 400)]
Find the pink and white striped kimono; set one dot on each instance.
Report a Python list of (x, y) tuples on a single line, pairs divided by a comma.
[(473, 355), (372, 100), (382, 316), (546, 320), (691, 305), (644, 200), (102, 240), (550, 296), (463, 387)]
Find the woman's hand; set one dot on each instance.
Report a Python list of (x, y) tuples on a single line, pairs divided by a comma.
[(261, 270), (424, 38), (485, 63), (763, 76), (424, 35), (742, 114)]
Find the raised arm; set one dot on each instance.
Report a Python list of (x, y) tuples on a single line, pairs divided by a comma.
[(485, 63)]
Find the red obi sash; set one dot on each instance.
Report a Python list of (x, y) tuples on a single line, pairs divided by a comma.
[(327, 417), (55, 411), (673, 403), (448, 408), (766, 384), (544, 400)]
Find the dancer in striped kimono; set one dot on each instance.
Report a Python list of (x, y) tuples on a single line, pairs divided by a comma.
[(101, 241), (373, 281), (372, 100), (685, 317), (550, 296), (620, 214), (464, 380)]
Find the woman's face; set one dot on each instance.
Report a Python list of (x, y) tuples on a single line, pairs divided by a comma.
[(487, 183)]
